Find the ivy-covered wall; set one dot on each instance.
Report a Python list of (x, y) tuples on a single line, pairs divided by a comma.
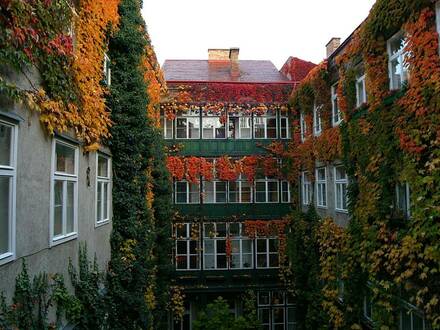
[(392, 139)]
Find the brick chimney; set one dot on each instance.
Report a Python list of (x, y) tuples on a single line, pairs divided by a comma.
[(332, 45), (223, 54)]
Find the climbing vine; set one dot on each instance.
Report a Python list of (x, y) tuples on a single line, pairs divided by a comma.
[(389, 141), (64, 48)]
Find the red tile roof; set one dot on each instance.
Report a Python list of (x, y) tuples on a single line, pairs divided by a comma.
[(245, 71)]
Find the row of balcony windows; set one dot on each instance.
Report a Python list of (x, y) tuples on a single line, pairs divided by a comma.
[(193, 124), (241, 191)]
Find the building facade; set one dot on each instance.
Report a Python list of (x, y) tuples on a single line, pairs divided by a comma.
[(54, 194), (222, 116)]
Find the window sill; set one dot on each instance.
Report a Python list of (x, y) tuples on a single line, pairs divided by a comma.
[(276, 202), (341, 211), (6, 258), (63, 239), (101, 223), (322, 207)]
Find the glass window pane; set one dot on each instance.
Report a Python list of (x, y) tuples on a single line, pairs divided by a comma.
[(261, 260), (181, 247), (99, 201), (209, 246), (261, 245), (278, 315), (247, 261), (65, 159), (194, 262), (181, 128), (181, 262), (103, 166), (70, 207), (106, 200), (221, 246), (221, 261), (4, 214), (208, 196), (58, 208), (264, 315), (259, 124), (263, 298), (235, 261), (194, 128), (273, 245), (193, 247), (273, 260), (5, 144), (221, 229), (246, 245), (181, 230), (234, 229), (209, 262)]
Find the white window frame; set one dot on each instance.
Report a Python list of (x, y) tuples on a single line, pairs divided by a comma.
[(267, 253), (303, 126), (105, 180), (399, 55), (361, 99), (336, 112), (188, 239), (283, 191), (240, 238), (240, 192), (287, 130), (406, 212), (215, 239), (265, 119), (340, 182), (270, 307), (164, 125), (240, 127), (187, 192), (214, 191), (266, 181), (317, 120), (209, 115), (306, 189), (107, 70), (11, 172), (321, 188), (411, 310), (189, 114), (65, 177)]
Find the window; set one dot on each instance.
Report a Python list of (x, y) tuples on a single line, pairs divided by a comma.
[(107, 70), (187, 193), (64, 192), (167, 127), (368, 306), (285, 191), (187, 246), (214, 192), (403, 199), (317, 122), (303, 126), (214, 246), (341, 289), (336, 113), (276, 310), (398, 69), (411, 319), (266, 191), (241, 247), (265, 127), (103, 189), (240, 126), (307, 189), (321, 187), (240, 191), (437, 17), (213, 126), (341, 183), (361, 91), (284, 127), (188, 124), (8, 172), (267, 252)]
